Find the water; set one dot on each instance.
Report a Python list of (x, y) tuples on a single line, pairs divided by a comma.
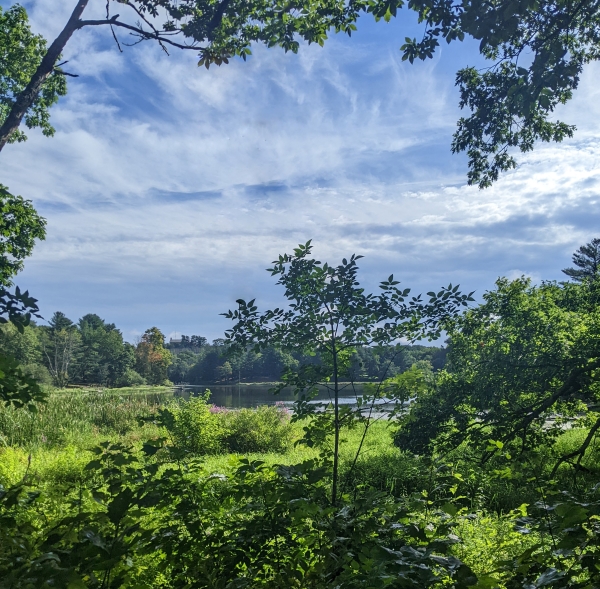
[(254, 395)]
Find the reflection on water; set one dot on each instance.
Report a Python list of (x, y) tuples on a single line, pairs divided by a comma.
[(254, 395)]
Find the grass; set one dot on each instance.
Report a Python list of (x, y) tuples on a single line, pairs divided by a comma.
[(80, 417), (58, 437), (53, 446)]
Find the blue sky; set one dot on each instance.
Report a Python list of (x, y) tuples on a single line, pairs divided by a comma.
[(169, 189)]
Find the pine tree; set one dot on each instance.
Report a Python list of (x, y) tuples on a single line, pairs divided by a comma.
[(587, 260)]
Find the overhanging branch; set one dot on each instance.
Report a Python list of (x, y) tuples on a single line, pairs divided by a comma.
[(160, 36)]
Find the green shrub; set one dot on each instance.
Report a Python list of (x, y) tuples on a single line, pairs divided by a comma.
[(13, 465), (38, 372), (195, 428), (130, 378), (487, 541), (201, 428), (265, 429)]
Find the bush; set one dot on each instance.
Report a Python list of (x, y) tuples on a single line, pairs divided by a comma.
[(266, 429), (130, 378), (201, 428), (38, 372), (195, 427)]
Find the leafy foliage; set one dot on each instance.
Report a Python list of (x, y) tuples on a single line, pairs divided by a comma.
[(103, 357), (20, 226), (21, 53), (538, 49), (200, 428), (16, 387), (152, 359), (331, 315), (156, 517), (373, 363), (522, 364)]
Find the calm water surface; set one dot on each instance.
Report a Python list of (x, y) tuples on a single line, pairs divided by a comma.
[(254, 395)]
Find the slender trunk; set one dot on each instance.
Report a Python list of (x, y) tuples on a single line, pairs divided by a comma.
[(26, 98), (336, 422)]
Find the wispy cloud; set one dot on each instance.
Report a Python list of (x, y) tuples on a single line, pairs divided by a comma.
[(168, 189)]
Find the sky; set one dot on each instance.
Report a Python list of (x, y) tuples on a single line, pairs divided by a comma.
[(168, 189)]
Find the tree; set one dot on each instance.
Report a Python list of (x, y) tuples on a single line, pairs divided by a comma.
[(23, 347), (194, 342), (60, 342), (197, 341), (16, 387), (521, 365), (152, 359), (512, 100), (217, 31), (224, 371), (20, 55), (103, 357), (330, 315), (20, 226), (587, 260), (182, 362)]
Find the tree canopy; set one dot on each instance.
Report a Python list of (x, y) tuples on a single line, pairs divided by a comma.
[(537, 50), (21, 53), (521, 365), (216, 31)]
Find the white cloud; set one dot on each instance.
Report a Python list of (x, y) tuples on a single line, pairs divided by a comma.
[(168, 188)]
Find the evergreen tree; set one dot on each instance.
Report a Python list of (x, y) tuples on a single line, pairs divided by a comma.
[(587, 260)]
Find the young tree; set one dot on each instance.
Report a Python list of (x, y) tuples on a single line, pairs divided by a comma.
[(329, 314), (587, 260)]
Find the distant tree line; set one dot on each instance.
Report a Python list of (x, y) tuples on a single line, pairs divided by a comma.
[(213, 363), (90, 351), (93, 351)]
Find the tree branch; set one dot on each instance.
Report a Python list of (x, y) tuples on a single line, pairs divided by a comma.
[(46, 67), (144, 35), (580, 452)]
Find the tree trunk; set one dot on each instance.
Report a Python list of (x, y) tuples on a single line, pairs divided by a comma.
[(336, 421), (26, 98)]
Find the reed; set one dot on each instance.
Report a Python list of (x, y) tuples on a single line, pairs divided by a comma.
[(74, 416)]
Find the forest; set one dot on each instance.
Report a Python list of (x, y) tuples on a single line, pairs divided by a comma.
[(92, 352), (469, 455)]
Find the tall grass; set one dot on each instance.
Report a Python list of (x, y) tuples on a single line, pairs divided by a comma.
[(77, 417)]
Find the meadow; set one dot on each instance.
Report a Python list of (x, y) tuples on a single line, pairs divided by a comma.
[(49, 453)]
